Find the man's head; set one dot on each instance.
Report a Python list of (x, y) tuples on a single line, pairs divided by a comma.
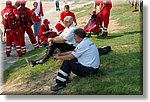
[(8, 3), (66, 8), (35, 4), (79, 35), (68, 21), (46, 22), (17, 3), (23, 2)]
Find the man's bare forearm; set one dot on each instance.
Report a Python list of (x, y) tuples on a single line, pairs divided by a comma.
[(65, 57), (65, 53)]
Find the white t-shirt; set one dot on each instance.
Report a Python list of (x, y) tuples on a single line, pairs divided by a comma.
[(87, 54), (68, 35)]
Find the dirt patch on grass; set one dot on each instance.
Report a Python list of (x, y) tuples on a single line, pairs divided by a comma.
[(114, 27), (37, 85)]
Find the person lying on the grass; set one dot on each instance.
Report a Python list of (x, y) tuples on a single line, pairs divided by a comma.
[(64, 42), (84, 60), (45, 32)]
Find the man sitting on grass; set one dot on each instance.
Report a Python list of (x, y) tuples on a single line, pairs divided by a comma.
[(84, 60), (64, 42)]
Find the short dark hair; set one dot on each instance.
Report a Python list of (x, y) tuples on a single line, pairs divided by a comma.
[(66, 6), (8, 2), (80, 32), (35, 3)]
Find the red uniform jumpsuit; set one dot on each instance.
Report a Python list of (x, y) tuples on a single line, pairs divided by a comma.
[(26, 23), (105, 13), (11, 28), (15, 10), (43, 37), (63, 14)]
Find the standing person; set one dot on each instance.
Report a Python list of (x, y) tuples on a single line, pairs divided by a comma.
[(15, 10), (36, 20), (64, 42), (25, 18), (15, 7), (65, 2), (60, 26), (45, 32), (105, 7), (9, 19), (82, 61), (56, 3)]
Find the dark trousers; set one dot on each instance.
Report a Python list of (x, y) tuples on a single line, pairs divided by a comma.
[(57, 6), (69, 66), (63, 47)]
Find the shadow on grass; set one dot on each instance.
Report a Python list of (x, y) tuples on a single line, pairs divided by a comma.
[(109, 37), (133, 32), (116, 35)]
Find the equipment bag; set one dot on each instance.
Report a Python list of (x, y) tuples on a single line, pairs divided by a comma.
[(104, 50), (23, 17)]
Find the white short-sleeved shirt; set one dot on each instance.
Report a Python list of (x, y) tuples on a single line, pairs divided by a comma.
[(68, 35), (87, 54)]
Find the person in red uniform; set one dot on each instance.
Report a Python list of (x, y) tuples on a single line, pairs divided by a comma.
[(45, 32), (15, 7), (9, 20), (60, 26), (25, 18), (36, 18), (15, 10), (105, 7)]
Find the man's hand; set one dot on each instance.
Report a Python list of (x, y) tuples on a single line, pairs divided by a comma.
[(57, 55), (50, 30), (64, 56), (49, 40), (75, 24)]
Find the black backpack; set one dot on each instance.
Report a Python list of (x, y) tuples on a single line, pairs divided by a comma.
[(104, 50), (24, 19)]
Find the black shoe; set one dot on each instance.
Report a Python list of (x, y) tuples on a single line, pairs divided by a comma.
[(39, 62), (45, 44), (104, 35), (32, 63), (57, 87), (68, 80), (104, 50)]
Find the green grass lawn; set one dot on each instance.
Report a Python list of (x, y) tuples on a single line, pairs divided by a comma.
[(121, 70)]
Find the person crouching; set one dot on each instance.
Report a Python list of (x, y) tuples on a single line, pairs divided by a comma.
[(45, 32)]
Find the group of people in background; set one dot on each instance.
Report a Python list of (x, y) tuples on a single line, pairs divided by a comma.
[(21, 18), (17, 19), (80, 55), (137, 5)]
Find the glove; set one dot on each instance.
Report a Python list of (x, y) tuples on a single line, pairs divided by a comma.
[(93, 12)]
